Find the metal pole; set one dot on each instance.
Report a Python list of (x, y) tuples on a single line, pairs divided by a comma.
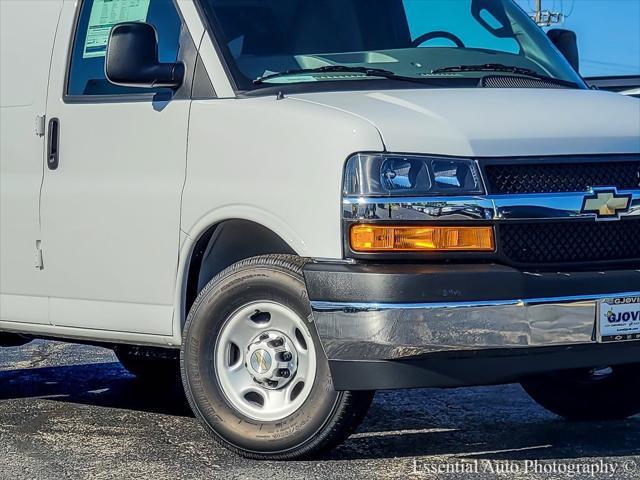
[(538, 12)]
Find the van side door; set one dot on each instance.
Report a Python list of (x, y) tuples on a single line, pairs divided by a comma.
[(27, 31), (112, 186)]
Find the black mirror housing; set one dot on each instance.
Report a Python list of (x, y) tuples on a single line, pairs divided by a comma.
[(567, 42), (132, 59)]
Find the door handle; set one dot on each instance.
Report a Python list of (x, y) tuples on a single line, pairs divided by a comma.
[(53, 144)]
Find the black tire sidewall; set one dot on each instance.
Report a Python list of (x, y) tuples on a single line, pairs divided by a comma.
[(218, 301)]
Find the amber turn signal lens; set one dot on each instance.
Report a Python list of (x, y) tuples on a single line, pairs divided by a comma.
[(385, 238)]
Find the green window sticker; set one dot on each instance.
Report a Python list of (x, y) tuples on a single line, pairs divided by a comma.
[(104, 15)]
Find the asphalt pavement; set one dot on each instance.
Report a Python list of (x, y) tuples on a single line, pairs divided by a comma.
[(72, 412)]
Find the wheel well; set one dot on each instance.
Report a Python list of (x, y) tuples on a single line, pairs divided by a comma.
[(224, 244)]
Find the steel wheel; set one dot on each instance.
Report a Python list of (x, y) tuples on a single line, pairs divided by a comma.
[(253, 367), (265, 361)]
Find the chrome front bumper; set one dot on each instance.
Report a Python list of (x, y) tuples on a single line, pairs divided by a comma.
[(370, 331), (388, 326)]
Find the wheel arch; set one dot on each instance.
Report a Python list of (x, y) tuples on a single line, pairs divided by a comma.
[(219, 246)]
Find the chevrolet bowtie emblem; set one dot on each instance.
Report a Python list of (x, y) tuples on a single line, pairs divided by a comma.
[(606, 204)]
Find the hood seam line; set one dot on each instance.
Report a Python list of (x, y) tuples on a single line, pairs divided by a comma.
[(352, 114)]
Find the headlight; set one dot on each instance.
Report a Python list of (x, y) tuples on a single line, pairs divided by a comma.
[(410, 175)]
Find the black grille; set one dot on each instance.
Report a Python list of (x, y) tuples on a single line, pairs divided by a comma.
[(561, 177), (571, 242)]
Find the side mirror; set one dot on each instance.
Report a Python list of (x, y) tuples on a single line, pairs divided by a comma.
[(132, 59), (567, 42)]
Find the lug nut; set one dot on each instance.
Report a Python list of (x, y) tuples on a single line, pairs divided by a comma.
[(272, 383), (278, 342), (284, 373), (264, 336), (286, 356)]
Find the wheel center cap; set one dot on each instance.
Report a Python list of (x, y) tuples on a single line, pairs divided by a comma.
[(261, 361), (271, 359)]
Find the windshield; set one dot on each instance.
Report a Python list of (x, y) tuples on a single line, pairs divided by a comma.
[(275, 42)]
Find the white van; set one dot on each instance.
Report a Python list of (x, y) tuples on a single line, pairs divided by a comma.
[(298, 202)]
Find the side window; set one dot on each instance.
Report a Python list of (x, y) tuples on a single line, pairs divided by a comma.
[(97, 17)]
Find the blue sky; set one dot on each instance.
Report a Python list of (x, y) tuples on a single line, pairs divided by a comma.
[(608, 33)]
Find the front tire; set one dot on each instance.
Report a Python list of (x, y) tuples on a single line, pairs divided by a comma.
[(609, 393), (254, 370)]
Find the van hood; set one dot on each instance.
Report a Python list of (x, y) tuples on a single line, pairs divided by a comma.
[(495, 122)]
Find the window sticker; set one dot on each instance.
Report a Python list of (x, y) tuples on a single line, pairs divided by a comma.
[(104, 15)]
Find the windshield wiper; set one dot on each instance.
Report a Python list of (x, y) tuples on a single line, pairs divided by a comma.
[(500, 68), (365, 71)]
